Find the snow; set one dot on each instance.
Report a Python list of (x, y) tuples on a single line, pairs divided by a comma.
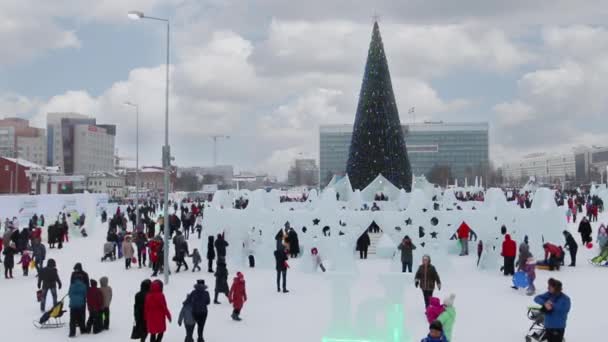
[(332, 304)]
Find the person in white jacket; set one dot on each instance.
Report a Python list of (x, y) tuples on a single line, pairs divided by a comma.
[(317, 262)]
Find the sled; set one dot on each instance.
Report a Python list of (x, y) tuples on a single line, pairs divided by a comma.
[(52, 318)]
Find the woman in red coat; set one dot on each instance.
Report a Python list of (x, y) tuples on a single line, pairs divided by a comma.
[(237, 295), (155, 312), (509, 251)]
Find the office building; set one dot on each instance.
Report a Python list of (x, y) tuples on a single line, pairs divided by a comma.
[(19, 139), (591, 164), (463, 147), (78, 145), (544, 168), (304, 172)]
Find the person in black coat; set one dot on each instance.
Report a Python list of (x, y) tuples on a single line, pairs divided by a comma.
[(584, 228), (221, 281), (9, 260), (48, 280), (363, 244), (79, 274), (210, 253), (139, 330), (280, 256), (294, 243), (220, 247), (571, 246)]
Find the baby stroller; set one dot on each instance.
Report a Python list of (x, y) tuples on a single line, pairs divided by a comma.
[(52, 318), (536, 333), (602, 259)]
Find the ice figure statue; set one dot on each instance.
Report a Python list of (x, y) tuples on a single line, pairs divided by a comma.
[(342, 250), (544, 199), (490, 257), (366, 326), (404, 199)]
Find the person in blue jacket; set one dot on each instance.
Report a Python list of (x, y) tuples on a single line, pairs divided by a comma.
[(555, 306), (78, 305), (435, 333)]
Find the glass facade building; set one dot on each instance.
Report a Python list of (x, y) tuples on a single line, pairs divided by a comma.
[(463, 147)]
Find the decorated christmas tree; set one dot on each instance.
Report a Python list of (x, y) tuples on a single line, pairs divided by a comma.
[(377, 145)]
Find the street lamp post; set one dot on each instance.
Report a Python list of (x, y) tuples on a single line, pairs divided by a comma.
[(130, 104), (166, 155)]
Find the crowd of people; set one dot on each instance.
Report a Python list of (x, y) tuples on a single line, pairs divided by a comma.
[(135, 237)]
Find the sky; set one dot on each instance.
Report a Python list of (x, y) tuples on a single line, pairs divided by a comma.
[(267, 73)]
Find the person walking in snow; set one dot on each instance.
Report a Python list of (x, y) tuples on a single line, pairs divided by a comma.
[(200, 300), (448, 316), (524, 254), (210, 254), (221, 281), (78, 304), (39, 254), (363, 244), (317, 262), (509, 250), (406, 247), (156, 311), (139, 330), (187, 318), (434, 309), (25, 262), (427, 277), (128, 251), (48, 281), (141, 241), (9, 260), (106, 292), (220, 246), (238, 295), (463, 235), (95, 306), (196, 260), (571, 246), (294, 243), (280, 257), (584, 228)]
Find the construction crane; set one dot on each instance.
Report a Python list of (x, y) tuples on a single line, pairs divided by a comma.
[(215, 139)]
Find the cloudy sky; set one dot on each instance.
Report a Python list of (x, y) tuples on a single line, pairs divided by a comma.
[(269, 72)]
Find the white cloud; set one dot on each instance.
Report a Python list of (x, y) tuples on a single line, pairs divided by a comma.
[(513, 113)]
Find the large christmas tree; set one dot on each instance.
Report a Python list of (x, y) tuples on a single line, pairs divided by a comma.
[(377, 145)]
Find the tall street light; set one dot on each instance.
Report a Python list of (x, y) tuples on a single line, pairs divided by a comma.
[(166, 155), (133, 105)]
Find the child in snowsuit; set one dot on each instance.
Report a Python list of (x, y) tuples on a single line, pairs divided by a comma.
[(196, 260), (316, 260), (25, 262), (108, 251), (448, 316), (95, 306), (237, 295), (106, 292), (434, 309), (435, 333), (530, 270)]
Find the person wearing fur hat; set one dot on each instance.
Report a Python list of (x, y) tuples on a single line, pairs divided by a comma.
[(237, 295), (435, 333), (448, 316), (128, 251)]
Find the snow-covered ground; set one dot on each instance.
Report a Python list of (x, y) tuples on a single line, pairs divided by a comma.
[(487, 308)]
